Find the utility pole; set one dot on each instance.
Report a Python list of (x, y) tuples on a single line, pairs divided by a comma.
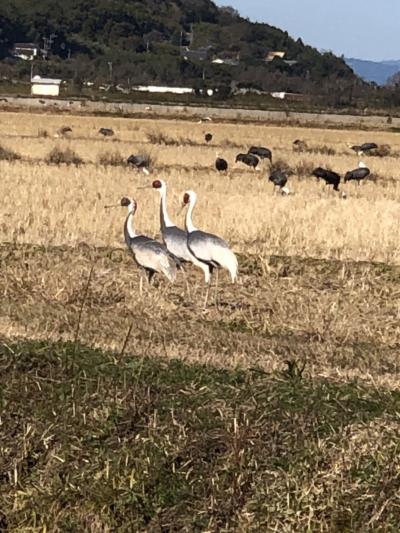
[(48, 43), (191, 34)]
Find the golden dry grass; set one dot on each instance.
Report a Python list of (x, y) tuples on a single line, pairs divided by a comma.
[(275, 449), (58, 205), (64, 205)]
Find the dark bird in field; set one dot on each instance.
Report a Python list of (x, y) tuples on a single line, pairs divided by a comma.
[(330, 177), (261, 152), (279, 178), (363, 148), (299, 145), (248, 159), (221, 164), (106, 132), (64, 130), (357, 174), (208, 137), (139, 161)]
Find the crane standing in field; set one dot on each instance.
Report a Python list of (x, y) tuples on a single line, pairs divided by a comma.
[(175, 239), (209, 249), (152, 256)]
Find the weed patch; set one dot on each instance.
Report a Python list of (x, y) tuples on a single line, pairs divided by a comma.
[(57, 156)]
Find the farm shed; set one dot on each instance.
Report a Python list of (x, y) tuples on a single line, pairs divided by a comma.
[(45, 86)]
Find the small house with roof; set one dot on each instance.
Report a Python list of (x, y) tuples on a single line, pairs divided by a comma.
[(26, 51), (45, 86)]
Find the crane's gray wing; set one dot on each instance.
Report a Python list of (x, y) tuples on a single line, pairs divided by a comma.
[(204, 245), (153, 255), (176, 242)]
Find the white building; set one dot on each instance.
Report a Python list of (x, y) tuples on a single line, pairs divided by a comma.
[(45, 86), (161, 89), (25, 51)]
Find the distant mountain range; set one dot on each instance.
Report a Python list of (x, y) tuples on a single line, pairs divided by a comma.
[(379, 72)]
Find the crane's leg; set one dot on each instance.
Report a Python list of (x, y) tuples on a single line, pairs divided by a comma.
[(182, 269), (150, 275), (206, 297), (216, 289), (141, 285)]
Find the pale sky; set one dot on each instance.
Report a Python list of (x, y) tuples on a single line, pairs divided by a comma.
[(365, 29)]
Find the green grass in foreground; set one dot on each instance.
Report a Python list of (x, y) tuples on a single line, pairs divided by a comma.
[(94, 441)]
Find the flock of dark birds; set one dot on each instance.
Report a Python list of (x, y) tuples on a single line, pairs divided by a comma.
[(278, 175)]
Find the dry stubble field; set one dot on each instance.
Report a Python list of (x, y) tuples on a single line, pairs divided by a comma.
[(318, 289)]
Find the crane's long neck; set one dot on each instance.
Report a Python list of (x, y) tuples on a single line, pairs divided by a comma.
[(165, 221), (189, 223), (129, 230)]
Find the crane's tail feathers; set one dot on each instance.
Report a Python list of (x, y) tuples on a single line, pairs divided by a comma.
[(168, 267), (171, 272), (228, 260), (176, 260)]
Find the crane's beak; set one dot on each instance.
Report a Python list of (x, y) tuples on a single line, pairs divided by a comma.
[(145, 187), (112, 206)]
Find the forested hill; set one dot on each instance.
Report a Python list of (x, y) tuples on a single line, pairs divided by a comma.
[(144, 40)]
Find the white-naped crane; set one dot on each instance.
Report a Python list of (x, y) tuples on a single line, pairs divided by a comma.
[(358, 174), (150, 255), (208, 248), (175, 239)]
